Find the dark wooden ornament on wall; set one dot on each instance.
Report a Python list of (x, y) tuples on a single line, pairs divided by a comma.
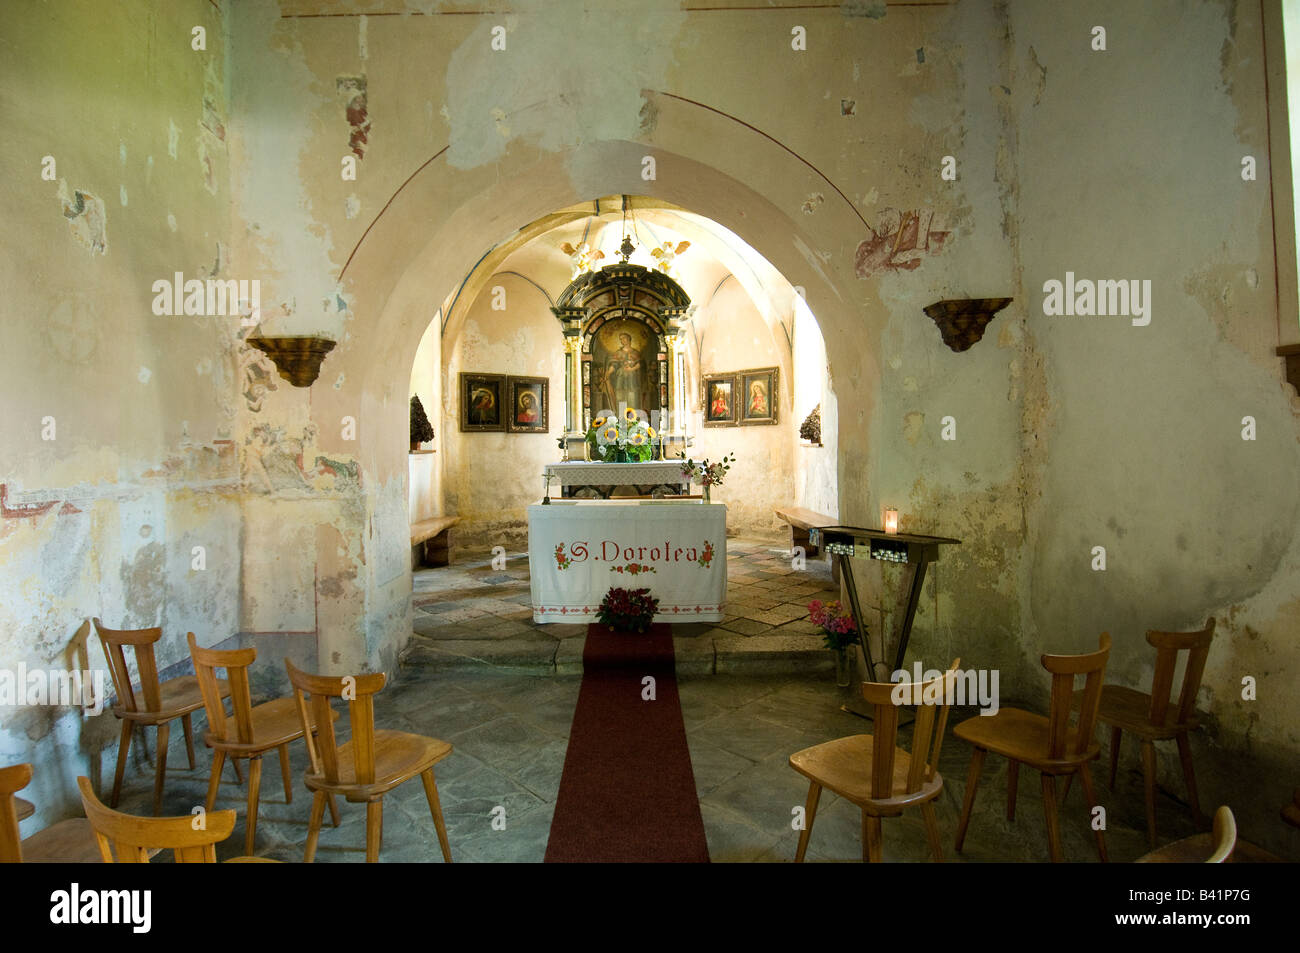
[(962, 321), (298, 358), (1291, 354)]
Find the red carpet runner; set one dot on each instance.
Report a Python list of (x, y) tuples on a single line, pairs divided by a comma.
[(628, 792)]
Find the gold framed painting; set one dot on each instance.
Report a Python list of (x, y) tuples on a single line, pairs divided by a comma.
[(758, 397), (481, 399), (719, 398), (529, 405)]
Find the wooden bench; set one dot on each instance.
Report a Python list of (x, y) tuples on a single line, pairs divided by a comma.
[(429, 541), (801, 521)]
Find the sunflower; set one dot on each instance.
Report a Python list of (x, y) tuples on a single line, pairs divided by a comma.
[(630, 415), (650, 431), (607, 436), (637, 439), (598, 423)]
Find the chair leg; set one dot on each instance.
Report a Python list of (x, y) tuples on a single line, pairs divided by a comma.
[(123, 747), (239, 775), (164, 734), (871, 833), (1085, 775), (218, 763), (1013, 777), (334, 810), (972, 782), (284, 774), (1185, 755), (313, 825), (932, 830), (809, 813), (188, 725), (254, 793), (374, 829), (1049, 811), (435, 808), (1115, 735), (1149, 783)]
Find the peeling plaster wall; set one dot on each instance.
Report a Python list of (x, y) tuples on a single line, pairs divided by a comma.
[(735, 338), (102, 520), (1136, 431), (1070, 432), (492, 478)]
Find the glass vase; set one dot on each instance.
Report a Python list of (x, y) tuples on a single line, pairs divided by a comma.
[(707, 498), (843, 667), (620, 456)]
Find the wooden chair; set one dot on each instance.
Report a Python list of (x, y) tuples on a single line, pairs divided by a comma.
[(135, 839), (67, 842), (1049, 745), (249, 732), (160, 705), (876, 775), (369, 765), (1214, 848), (1151, 718)]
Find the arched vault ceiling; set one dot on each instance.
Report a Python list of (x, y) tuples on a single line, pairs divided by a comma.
[(535, 253)]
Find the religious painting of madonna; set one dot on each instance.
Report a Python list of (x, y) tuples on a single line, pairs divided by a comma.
[(529, 402), (719, 400), (481, 396), (758, 396)]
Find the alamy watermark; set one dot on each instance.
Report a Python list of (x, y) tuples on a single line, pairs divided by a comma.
[(66, 688), (208, 297), (969, 687)]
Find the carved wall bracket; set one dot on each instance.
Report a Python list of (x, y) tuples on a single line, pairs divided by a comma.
[(298, 358), (962, 321)]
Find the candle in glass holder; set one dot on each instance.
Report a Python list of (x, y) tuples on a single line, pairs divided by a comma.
[(891, 520)]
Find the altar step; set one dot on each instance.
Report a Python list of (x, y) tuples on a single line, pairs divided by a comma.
[(696, 655)]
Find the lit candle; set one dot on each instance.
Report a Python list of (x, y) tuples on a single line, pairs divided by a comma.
[(891, 520)]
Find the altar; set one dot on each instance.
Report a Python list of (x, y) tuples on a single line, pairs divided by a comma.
[(675, 548), (598, 480)]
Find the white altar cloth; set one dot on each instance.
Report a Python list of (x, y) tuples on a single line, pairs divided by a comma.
[(677, 550), (598, 473)]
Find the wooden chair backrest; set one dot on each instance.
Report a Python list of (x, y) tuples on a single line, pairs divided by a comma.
[(1063, 669), (12, 780), (932, 700), (142, 641), (132, 837), (359, 691), (1167, 646), (1225, 834), (236, 663)]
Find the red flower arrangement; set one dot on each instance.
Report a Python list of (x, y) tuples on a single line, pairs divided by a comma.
[(838, 628), (628, 610)]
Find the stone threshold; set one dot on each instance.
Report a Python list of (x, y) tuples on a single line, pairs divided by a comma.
[(699, 655)]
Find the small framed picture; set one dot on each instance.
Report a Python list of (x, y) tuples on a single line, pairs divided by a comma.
[(481, 396), (529, 405), (758, 396), (719, 400)]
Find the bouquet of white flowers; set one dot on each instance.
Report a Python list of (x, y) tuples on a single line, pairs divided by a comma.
[(629, 436)]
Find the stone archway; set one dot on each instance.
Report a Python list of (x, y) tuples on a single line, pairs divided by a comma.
[(703, 161)]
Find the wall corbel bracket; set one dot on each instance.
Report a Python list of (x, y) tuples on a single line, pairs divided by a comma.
[(962, 321), (1291, 353), (298, 358)]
